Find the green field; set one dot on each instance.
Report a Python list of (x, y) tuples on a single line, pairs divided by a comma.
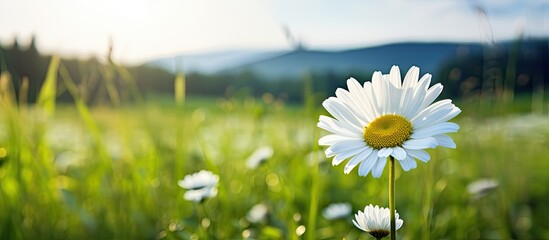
[(70, 171), (111, 173)]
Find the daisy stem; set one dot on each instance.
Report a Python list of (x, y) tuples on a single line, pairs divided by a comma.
[(392, 196), (202, 231)]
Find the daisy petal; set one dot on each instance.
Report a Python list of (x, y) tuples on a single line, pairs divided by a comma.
[(407, 164), (421, 143), (342, 113), (434, 107), (343, 146), (419, 155), (433, 116), (357, 92), (432, 94), (384, 152), (367, 165), (398, 153), (351, 103), (340, 157), (394, 77), (378, 168), (357, 159), (445, 141), (411, 77), (334, 126), (440, 128), (331, 139)]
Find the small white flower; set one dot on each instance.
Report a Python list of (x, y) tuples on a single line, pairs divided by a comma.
[(200, 186), (258, 213), (316, 157), (337, 210), (376, 221), (202, 179), (69, 158), (481, 187), (259, 156), (199, 195)]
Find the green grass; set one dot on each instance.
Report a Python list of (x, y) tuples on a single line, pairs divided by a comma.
[(60, 180)]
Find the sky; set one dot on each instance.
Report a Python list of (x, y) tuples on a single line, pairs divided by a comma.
[(143, 30)]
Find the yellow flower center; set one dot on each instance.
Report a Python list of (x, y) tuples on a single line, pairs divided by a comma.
[(389, 130)]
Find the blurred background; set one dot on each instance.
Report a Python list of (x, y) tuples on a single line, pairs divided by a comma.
[(269, 46), (106, 104)]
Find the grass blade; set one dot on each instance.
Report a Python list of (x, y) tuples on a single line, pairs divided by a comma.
[(180, 89), (46, 97)]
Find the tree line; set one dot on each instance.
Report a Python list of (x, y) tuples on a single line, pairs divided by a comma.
[(497, 72)]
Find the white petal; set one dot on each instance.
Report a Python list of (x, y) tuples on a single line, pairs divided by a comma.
[(419, 155), (394, 77), (333, 138), (378, 90), (367, 165), (445, 141), (407, 164), (398, 153), (357, 159), (446, 103), (416, 99), (406, 101), (384, 152), (372, 103), (343, 146), (345, 97), (357, 224), (363, 101), (337, 127), (411, 77), (440, 128), (342, 113), (431, 95), (436, 116), (421, 143), (399, 223), (394, 94), (378, 168), (425, 81), (340, 157)]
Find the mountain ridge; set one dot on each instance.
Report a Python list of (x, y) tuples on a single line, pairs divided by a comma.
[(275, 64)]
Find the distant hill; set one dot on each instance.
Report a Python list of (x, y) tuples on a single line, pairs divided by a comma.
[(213, 62), (273, 65)]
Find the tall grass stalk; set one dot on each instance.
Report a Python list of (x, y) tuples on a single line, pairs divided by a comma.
[(109, 77), (48, 91), (309, 101), (130, 82), (23, 92), (179, 87)]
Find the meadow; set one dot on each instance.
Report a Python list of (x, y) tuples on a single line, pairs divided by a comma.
[(69, 171)]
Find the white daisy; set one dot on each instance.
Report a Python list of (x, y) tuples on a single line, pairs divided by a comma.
[(315, 157), (337, 210), (200, 186), (259, 156), (481, 187), (202, 179), (258, 213), (387, 117), (376, 221)]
